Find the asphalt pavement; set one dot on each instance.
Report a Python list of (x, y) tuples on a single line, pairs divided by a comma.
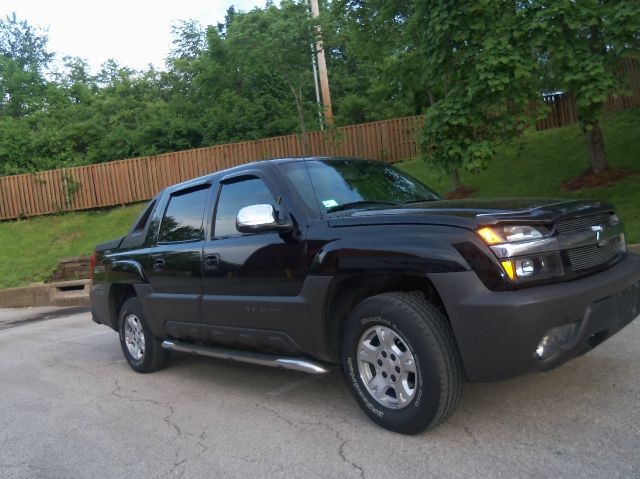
[(70, 407)]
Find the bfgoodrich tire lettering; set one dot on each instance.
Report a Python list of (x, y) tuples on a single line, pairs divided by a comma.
[(142, 350), (395, 327)]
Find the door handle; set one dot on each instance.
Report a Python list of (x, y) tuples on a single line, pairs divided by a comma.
[(158, 264), (212, 261)]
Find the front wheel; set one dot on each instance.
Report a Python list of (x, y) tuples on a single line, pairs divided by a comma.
[(142, 350), (401, 362)]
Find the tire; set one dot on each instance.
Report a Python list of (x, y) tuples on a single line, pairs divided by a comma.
[(143, 351), (399, 347)]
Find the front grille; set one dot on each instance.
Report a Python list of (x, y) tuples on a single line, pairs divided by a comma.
[(584, 223), (593, 255)]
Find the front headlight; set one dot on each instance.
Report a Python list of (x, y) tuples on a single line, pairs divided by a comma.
[(511, 234), (523, 251)]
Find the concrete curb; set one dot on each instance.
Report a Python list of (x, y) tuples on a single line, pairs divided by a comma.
[(14, 317), (67, 293)]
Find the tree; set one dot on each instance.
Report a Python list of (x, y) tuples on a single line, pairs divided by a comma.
[(479, 53), (585, 42), (219, 93), (23, 90), (278, 39), (369, 57), (23, 60)]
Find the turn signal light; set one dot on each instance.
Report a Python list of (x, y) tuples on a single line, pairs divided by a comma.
[(490, 236), (509, 269)]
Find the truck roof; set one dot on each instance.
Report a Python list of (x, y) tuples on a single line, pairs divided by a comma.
[(258, 165)]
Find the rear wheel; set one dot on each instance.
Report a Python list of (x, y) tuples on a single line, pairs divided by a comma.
[(142, 350), (401, 362)]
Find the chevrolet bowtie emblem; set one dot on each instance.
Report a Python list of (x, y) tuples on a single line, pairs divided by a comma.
[(598, 230)]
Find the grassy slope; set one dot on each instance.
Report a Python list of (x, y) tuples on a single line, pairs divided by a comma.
[(31, 248), (534, 165)]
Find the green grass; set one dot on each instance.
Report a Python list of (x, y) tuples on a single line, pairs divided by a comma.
[(533, 165), (536, 164), (31, 248)]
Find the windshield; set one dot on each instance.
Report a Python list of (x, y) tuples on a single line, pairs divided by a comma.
[(338, 185)]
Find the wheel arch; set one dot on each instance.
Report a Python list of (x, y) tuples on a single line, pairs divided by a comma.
[(118, 294), (347, 291)]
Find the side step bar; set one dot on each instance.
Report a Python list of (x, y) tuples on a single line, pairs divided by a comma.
[(294, 364)]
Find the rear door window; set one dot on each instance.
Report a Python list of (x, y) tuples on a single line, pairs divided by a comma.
[(183, 218)]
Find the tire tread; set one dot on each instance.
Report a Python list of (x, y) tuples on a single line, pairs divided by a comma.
[(429, 329), (158, 357), (437, 330)]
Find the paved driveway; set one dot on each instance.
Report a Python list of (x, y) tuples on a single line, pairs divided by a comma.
[(71, 407)]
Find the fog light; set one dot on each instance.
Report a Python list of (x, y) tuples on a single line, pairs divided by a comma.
[(554, 339), (547, 347), (533, 268), (525, 267)]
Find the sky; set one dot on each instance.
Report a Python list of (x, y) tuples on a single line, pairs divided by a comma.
[(134, 32)]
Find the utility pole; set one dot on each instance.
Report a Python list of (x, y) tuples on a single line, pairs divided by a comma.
[(315, 82), (322, 68)]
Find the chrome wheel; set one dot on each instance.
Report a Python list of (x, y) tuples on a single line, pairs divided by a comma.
[(134, 336), (387, 367)]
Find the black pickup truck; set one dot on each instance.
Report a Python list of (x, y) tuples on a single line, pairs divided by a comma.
[(304, 263)]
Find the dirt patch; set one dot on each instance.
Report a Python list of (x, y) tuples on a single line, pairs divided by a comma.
[(589, 179), (66, 238), (461, 193)]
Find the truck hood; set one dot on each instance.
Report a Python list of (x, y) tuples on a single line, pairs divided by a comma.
[(471, 213)]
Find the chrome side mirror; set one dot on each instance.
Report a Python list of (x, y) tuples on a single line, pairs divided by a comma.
[(259, 218)]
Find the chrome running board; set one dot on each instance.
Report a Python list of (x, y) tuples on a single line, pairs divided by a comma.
[(294, 364)]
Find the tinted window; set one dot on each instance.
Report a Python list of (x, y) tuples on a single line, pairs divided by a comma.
[(343, 184), (235, 196), (142, 222), (297, 174), (183, 218)]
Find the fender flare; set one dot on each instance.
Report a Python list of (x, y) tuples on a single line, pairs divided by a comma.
[(130, 267)]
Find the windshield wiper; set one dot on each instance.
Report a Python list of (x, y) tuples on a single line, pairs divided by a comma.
[(420, 200), (356, 204)]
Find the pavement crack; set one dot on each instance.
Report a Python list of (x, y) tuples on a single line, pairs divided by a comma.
[(13, 466), (117, 389), (247, 459), (342, 455), (470, 433), (200, 443), (118, 392), (279, 416), (6, 424), (341, 443), (467, 430), (169, 422), (176, 465)]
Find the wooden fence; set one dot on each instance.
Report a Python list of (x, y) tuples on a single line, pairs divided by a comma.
[(563, 106), (138, 179)]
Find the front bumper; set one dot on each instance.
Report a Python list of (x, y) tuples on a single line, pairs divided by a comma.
[(498, 332)]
